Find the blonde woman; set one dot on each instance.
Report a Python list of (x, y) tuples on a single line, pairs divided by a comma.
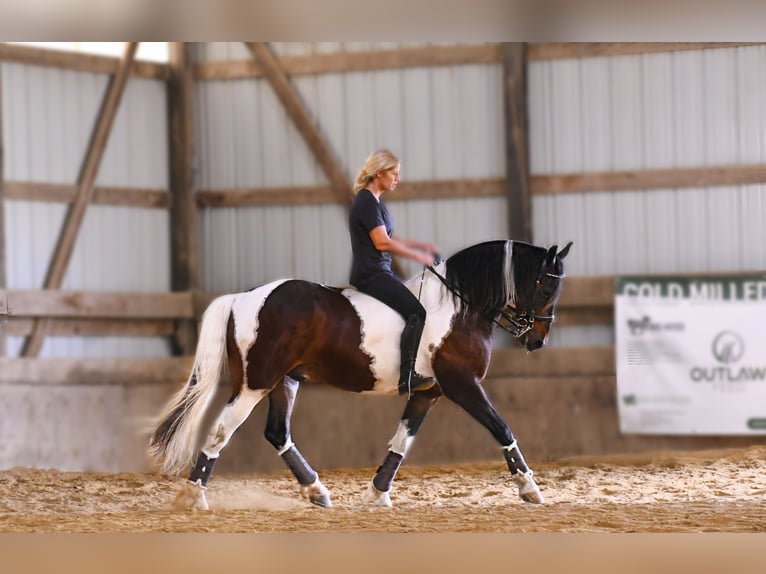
[(373, 243)]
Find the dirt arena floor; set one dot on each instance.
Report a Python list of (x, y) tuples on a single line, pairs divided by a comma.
[(707, 491)]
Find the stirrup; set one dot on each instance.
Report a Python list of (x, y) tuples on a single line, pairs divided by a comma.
[(417, 383)]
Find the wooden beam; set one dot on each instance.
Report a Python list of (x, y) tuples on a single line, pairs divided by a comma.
[(637, 180), (95, 371), (306, 126), (64, 327), (425, 57), (85, 181), (303, 121), (517, 141), (322, 194), (94, 304), (102, 195), (183, 215), (78, 61), (564, 50)]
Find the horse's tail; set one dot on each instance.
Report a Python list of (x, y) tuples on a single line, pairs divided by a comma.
[(173, 443)]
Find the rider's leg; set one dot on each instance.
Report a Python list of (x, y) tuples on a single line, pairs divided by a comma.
[(392, 292)]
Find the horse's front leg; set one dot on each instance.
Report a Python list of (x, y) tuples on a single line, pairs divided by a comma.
[(471, 397), (418, 406)]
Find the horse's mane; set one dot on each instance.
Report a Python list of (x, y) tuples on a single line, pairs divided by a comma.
[(481, 276), (486, 276)]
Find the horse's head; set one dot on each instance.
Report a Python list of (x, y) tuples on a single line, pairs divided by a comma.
[(530, 316)]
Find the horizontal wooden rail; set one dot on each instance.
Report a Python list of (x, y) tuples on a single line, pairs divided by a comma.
[(636, 180), (341, 62), (95, 371), (95, 304), (322, 194), (103, 195), (566, 50)]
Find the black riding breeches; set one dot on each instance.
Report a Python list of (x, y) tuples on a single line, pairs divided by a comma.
[(391, 291)]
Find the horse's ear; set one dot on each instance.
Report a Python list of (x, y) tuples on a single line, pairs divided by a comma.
[(551, 257), (563, 253)]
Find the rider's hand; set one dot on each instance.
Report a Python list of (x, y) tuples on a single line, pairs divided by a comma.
[(425, 258)]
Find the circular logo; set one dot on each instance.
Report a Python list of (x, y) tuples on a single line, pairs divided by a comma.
[(728, 347)]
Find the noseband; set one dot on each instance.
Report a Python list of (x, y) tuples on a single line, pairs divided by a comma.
[(521, 320)]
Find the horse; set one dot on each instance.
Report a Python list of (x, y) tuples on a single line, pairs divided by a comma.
[(287, 332)]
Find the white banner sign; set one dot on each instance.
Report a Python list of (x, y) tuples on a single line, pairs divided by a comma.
[(691, 354)]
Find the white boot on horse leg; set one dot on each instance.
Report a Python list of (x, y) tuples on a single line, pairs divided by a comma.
[(191, 497), (528, 489), (316, 493), (377, 499)]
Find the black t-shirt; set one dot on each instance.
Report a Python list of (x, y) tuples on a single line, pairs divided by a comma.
[(366, 214)]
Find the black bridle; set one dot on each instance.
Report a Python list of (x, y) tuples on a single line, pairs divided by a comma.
[(521, 320)]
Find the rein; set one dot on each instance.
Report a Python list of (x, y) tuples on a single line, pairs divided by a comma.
[(520, 321)]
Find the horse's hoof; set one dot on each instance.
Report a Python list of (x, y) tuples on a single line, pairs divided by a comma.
[(377, 499), (191, 497), (528, 489), (316, 493)]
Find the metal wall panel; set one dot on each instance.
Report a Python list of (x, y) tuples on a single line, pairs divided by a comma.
[(49, 114), (677, 109), (445, 122)]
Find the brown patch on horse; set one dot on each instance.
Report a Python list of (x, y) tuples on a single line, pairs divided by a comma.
[(312, 333), (465, 354)]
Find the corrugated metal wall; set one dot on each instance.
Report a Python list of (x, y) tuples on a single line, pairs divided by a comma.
[(677, 109), (443, 122), (48, 116)]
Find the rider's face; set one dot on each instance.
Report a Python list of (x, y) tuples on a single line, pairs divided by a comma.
[(389, 179)]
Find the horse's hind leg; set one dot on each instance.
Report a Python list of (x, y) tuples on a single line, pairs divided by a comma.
[(281, 401), (472, 398), (418, 406), (192, 495)]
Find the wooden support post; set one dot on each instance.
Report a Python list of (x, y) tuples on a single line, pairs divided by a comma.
[(183, 213), (85, 184), (291, 100), (3, 276), (516, 140)]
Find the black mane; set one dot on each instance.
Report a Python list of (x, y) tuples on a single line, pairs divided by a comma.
[(481, 276), (477, 273)]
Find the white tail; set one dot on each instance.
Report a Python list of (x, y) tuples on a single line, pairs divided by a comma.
[(174, 440)]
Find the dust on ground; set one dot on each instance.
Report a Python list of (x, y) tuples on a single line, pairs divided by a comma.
[(704, 491)]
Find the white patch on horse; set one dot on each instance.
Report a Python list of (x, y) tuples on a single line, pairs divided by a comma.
[(401, 441), (382, 328), (246, 308)]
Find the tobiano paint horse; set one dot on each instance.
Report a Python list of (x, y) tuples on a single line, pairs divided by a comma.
[(288, 332)]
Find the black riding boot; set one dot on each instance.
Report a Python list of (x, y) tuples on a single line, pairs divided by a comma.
[(409, 380)]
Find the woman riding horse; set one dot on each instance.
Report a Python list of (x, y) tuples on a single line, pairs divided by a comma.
[(373, 243)]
